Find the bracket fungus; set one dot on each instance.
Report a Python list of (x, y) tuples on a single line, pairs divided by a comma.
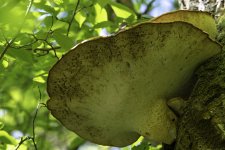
[(202, 20), (110, 90)]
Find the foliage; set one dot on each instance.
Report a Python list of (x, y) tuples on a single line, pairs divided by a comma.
[(34, 35)]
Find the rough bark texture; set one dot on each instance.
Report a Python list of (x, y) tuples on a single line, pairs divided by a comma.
[(202, 125), (213, 6)]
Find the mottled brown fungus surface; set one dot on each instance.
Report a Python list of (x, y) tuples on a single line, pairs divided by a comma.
[(112, 90)]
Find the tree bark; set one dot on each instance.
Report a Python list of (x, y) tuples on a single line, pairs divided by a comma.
[(202, 124), (212, 6)]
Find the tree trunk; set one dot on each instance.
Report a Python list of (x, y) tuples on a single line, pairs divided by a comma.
[(212, 6), (202, 124)]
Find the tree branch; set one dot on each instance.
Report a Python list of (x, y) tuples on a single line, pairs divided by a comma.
[(21, 26), (149, 6), (71, 21), (33, 128), (22, 141), (6, 48)]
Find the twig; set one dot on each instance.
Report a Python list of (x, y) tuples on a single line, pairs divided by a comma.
[(53, 48), (50, 29), (22, 141), (149, 6), (20, 27), (35, 116), (85, 7), (25, 45), (3, 35), (33, 122), (40, 95), (44, 49), (33, 125), (36, 49), (71, 21), (6, 48)]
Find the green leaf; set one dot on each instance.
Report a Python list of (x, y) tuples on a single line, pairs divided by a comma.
[(131, 19), (30, 24), (21, 54), (36, 45), (101, 14), (41, 35), (121, 10), (1, 125), (57, 2), (48, 21), (6, 138), (5, 65), (103, 3), (142, 146), (39, 79), (59, 25), (76, 142), (103, 24), (23, 39), (46, 8), (8, 15), (63, 40), (3, 146), (80, 17)]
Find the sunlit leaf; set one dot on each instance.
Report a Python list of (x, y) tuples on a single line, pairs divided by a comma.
[(6, 138), (37, 1), (80, 18), (39, 79), (101, 14), (121, 10), (5, 63), (143, 146), (58, 2), (1, 125), (103, 24)]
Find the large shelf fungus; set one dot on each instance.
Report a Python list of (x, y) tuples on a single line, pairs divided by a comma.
[(111, 90), (201, 20)]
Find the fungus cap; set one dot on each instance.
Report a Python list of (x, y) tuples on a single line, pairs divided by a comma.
[(200, 19), (111, 90)]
